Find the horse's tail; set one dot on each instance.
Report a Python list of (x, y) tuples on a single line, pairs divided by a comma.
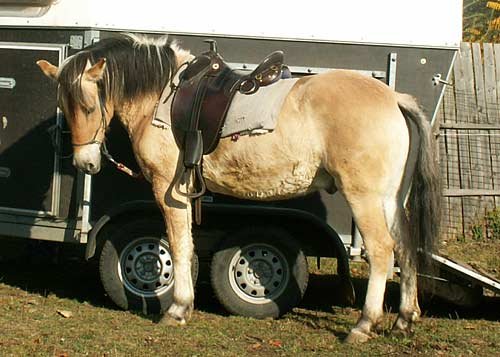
[(424, 203)]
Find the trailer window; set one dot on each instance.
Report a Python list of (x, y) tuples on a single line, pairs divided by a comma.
[(24, 8)]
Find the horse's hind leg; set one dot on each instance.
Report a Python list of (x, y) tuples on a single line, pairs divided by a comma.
[(409, 310), (370, 217)]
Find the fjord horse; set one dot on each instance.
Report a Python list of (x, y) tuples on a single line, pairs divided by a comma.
[(336, 131)]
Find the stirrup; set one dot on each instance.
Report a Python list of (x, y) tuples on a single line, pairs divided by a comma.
[(201, 180), (198, 176)]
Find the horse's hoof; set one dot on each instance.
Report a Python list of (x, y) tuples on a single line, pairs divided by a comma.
[(173, 321), (358, 336), (177, 315), (378, 328), (402, 333), (403, 328)]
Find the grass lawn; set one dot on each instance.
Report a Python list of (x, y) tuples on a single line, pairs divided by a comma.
[(49, 309)]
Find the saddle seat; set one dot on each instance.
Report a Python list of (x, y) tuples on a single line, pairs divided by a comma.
[(203, 96)]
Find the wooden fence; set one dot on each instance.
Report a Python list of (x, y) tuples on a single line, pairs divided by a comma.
[(469, 120)]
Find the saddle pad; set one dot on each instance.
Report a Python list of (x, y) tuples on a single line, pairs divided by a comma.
[(161, 116), (256, 113), (248, 114)]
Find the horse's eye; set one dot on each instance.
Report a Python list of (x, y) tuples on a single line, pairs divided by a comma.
[(89, 111)]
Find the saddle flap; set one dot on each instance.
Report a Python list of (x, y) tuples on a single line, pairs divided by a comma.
[(193, 152), (201, 101)]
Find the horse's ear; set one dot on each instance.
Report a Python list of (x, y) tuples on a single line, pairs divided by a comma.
[(48, 69), (96, 72)]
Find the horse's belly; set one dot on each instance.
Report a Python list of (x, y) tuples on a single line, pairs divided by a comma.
[(281, 164), (266, 183)]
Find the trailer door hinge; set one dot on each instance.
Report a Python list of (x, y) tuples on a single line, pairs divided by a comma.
[(4, 172), (76, 42), (7, 83), (437, 79)]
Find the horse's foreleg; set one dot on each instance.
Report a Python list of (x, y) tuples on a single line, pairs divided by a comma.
[(181, 246), (409, 311), (370, 218), (176, 210)]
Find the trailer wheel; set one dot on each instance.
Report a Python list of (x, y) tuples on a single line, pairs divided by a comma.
[(259, 272), (136, 267)]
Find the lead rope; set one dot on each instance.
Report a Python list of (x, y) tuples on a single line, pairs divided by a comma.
[(121, 167)]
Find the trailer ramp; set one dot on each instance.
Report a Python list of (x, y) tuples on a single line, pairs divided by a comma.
[(454, 282), (467, 273)]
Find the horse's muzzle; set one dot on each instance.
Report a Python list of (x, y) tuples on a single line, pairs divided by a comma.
[(90, 168), (88, 158)]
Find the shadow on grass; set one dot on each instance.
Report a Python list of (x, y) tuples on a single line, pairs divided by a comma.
[(324, 292), (487, 309), (47, 269)]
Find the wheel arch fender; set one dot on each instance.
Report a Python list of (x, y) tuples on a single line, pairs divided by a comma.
[(140, 207), (327, 240)]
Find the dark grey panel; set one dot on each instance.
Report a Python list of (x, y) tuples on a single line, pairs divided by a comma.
[(413, 76), (111, 187), (27, 111), (415, 66), (56, 36)]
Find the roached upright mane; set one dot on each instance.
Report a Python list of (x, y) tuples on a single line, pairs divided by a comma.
[(135, 66)]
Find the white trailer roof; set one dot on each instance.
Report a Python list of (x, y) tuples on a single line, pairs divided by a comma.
[(396, 22)]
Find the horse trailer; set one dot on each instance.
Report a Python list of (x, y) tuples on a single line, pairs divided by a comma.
[(43, 197)]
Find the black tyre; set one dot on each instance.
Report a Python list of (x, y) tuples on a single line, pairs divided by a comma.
[(136, 267), (259, 272)]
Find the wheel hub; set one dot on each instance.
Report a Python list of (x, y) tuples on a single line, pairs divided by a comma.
[(146, 267), (258, 273)]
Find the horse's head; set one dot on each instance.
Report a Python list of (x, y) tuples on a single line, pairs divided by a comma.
[(113, 74), (85, 108)]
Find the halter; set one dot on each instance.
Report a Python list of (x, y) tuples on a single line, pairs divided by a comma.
[(102, 125), (102, 144)]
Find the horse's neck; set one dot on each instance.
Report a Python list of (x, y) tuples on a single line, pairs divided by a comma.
[(134, 114), (181, 56)]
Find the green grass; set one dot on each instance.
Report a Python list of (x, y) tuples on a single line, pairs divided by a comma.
[(32, 293)]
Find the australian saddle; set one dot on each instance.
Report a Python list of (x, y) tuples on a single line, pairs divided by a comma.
[(202, 99)]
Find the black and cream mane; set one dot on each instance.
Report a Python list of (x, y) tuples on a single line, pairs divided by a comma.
[(135, 66)]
